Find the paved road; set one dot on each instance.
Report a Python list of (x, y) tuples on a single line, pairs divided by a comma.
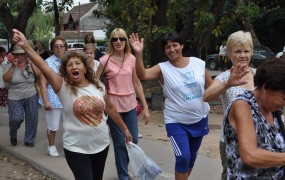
[(205, 168)]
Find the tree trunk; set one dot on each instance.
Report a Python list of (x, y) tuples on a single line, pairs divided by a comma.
[(197, 44), (56, 19), (19, 22), (249, 27), (157, 54)]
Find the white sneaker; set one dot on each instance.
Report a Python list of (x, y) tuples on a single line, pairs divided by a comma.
[(52, 151), (139, 135)]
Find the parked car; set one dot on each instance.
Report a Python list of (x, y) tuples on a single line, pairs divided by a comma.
[(260, 54), (102, 49), (75, 46)]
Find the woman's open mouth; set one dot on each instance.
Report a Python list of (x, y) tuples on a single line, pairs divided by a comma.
[(75, 74)]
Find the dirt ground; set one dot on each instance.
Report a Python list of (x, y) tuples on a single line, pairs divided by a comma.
[(155, 130), (13, 168)]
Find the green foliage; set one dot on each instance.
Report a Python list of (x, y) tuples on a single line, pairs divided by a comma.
[(203, 23), (3, 31), (101, 42), (56, 7), (205, 20), (250, 12), (39, 27), (132, 16), (235, 11), (62, 5), (16, 6)]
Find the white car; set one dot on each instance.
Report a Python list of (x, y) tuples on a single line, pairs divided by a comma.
[(75, 46)]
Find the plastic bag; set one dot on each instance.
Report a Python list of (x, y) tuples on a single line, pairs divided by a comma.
[(143, 166)]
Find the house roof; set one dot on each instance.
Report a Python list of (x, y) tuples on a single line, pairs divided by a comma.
[(67, 35), (88, 22), (78, 11)]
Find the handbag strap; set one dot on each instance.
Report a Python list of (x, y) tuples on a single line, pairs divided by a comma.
[(117, 72), (280, 122), (120, 68), (102, 73)]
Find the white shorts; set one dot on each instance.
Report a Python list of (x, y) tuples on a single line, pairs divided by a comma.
[(53, 118)]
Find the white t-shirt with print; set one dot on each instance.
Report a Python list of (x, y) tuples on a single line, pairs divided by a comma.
[(183, 89), (84, 121)]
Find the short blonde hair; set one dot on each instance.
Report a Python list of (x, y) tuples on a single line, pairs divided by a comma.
[(122, 33), (239, 38)]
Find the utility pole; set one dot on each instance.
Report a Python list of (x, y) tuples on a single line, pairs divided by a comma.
[(78, 24)]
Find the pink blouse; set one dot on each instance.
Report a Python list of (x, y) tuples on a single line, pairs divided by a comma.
[(121, 90)]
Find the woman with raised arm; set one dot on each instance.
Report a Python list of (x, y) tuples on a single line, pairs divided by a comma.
[(186, 114), (22, 97), (123, 84), (234, 81), (86, 134)]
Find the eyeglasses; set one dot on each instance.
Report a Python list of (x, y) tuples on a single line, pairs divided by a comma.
[(115, 39), (58, 46)]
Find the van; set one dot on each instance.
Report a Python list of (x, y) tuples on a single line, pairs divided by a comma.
[(75, 46)]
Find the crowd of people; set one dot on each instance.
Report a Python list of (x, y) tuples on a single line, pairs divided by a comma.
[(252, 132)]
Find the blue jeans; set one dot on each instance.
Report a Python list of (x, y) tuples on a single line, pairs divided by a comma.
[(119, 143)]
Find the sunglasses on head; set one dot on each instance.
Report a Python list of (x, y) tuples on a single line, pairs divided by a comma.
[(115, 39)]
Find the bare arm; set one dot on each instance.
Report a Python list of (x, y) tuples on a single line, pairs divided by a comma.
[(208, 79), (142, 73), (43, 85), (139, 90), (53, 78), (113, 113), (99, 70), (240, 118), (217, 87), (36, 71), (214, 91), (8, 75)]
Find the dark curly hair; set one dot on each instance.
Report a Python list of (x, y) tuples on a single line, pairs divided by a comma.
[(271, 75), (89, 75)]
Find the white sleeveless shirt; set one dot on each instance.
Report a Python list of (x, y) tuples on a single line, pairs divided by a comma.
[(183, 91)]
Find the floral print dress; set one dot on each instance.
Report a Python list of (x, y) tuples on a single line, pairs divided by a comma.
[(268, 137)]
